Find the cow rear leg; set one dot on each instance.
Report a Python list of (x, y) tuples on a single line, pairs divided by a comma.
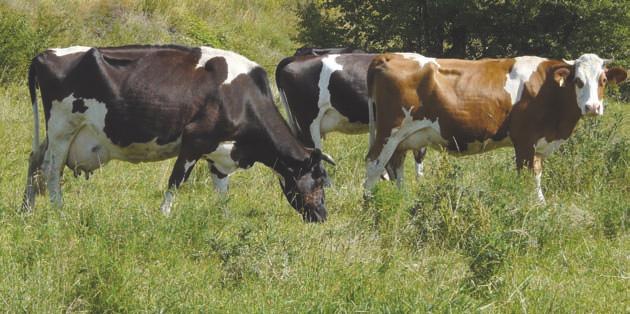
[(54, 162), (418, 155), (34, 178)]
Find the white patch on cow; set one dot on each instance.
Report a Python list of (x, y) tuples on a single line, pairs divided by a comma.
[(422, 60), (588, 69), (545, 148), (220, 184), (221, 158), (167, 203), (60, 52), (412, 134), (521, 72), (329, 65), (236, 63), (89, 147), (187, 166), (419, 169), (333, 120)]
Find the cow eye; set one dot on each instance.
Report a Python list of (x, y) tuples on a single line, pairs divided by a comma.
[(579, 83), (605, 80)]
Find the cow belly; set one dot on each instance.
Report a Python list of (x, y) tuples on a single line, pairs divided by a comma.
[(87, 152), (478, 147), (335, 121)]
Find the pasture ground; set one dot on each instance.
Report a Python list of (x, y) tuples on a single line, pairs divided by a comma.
[(468, 236)]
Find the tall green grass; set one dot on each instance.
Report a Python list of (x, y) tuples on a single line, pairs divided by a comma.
[(468, 236)]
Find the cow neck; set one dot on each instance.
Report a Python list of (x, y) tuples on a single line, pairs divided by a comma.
[(278, 148), (564, 112)]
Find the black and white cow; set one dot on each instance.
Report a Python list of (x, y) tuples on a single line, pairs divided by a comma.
[(327, 93), (150, 103)]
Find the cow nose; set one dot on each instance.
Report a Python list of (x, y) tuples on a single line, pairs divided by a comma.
[(593, 109)]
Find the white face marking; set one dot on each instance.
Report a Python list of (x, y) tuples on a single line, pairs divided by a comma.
[(588, 69), (221, 158), (59, 52), (520, 74), (545, 148), (237, 64), (422, 60), (412, 134)]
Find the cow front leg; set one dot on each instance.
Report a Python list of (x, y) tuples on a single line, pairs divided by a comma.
[(376, 165), (418, 155), (220, 180), (396, 167), (181, 171), (526, 156)]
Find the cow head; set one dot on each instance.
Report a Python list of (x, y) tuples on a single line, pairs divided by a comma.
[(589, 76), (304, 187)]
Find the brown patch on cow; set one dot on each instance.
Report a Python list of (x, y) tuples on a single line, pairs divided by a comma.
[(218, 68)]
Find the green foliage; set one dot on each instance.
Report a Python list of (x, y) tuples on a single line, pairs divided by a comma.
[(472, 29), (466, 237)]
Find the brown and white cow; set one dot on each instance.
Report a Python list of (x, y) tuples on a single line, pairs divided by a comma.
[(150, 103), (469, 107)]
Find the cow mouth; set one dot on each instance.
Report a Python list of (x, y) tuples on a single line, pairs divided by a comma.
[(315, 215)]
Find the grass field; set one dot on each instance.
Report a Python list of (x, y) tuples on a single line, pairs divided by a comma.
[(468, 236)]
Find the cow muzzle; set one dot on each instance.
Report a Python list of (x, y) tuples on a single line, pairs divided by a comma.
[(594, 109)]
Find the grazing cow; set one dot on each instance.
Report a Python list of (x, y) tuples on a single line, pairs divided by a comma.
[(150, 103), (327, 93), (469, 107)]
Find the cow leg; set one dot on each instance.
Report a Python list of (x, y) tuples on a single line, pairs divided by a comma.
[(221, 181), (396, 167), (526, 156), (181, 171), (34, 179), (54, 162), (376, 166), (419, 158), (538, 167)]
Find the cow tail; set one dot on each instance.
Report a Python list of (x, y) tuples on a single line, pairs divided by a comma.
[(32, 88), (295, 128)]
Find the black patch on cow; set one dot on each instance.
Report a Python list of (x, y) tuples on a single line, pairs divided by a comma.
[(299, 80), (348, 87), (78, 105), (259, 76), (218, 68)]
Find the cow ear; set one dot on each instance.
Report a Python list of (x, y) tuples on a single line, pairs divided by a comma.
[(560, 75), (616, 75)]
